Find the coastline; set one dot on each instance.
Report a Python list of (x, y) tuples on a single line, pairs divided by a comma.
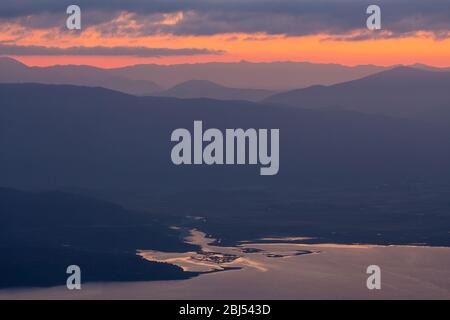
[(333, 272)]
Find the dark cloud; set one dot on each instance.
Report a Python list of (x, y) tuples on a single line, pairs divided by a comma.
[(15, 50), (273, 17)]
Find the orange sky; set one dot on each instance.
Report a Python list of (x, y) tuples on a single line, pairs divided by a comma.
[(421, 48)]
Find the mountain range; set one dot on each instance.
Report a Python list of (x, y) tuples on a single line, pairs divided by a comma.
[(12, 71), (149, 79), (401, 92), (58, 135), (208, 89), (273, 76)]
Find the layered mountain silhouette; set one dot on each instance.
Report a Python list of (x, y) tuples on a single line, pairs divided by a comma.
[(53, 136), (274, 76), (402, 91), (209, 89), (12, 71), (150, 78)]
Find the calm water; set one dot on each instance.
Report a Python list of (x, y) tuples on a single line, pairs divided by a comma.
[(279, 270)]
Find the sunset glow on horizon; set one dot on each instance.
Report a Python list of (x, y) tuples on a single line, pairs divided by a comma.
[(241, 47), (206, 31)]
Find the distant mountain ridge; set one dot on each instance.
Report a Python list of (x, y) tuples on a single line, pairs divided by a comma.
[(274, 76), (208, 89), (402, 91), (12, 71), (152, 79)]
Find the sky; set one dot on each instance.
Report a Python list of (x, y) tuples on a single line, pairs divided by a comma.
[(118, 33)]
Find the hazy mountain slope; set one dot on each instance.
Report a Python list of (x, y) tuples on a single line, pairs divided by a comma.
[(42, 233), (12, 71), (403, 91), (54, 136), (55, 219), (208, 89), (275, 76), (429, 68)]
